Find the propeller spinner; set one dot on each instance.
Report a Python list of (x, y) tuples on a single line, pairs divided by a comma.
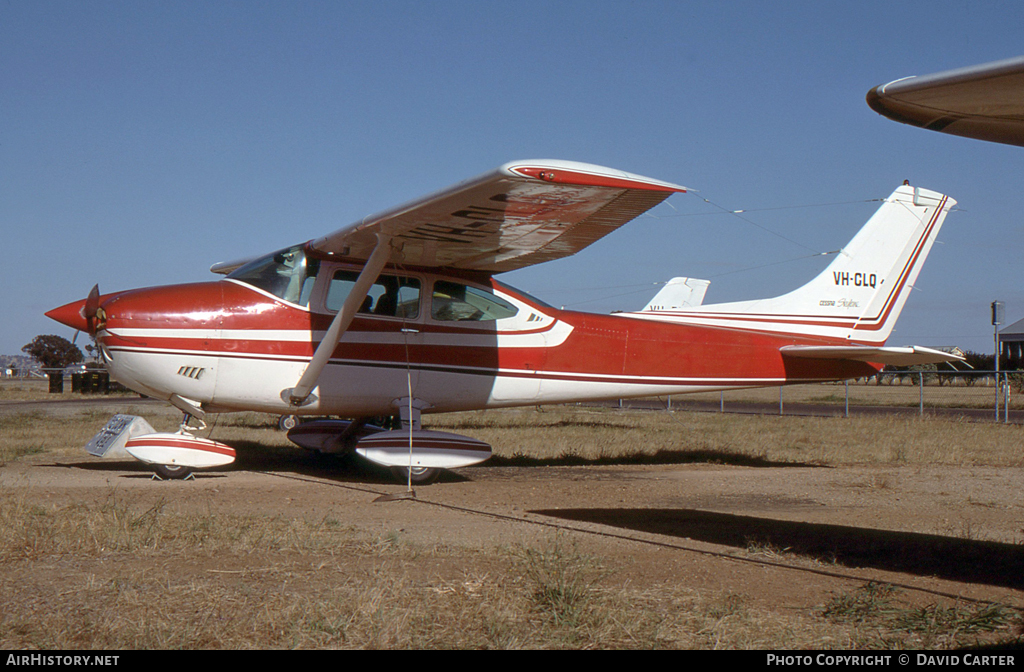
[(81, 314)]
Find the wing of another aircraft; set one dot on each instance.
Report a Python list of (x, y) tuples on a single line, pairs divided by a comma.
[(522, 213), (983, 101)]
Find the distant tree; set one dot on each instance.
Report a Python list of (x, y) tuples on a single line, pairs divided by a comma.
[(978, 361), (53, 352), (987, 362)]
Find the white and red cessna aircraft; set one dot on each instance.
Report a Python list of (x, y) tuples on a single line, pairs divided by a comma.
[(400, 313)]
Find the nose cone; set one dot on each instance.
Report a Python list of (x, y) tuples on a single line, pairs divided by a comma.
[(71, 314)]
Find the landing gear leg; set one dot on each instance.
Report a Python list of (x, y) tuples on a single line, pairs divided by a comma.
[(185, 428), (409, 416)]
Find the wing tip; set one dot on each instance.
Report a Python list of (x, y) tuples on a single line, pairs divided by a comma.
[(586, 174)]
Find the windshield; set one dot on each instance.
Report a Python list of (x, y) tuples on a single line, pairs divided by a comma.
[(287, 274)]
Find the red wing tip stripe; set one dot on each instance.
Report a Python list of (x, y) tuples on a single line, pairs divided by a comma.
[(564, 176)]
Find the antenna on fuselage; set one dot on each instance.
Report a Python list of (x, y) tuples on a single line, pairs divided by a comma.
[(409, 492)]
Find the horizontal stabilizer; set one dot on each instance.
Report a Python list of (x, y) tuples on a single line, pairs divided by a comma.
[(896, 356), (679, 293)]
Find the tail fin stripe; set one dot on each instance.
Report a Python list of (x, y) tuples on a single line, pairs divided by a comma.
[(912, 262), (859, 323), (844, 302)]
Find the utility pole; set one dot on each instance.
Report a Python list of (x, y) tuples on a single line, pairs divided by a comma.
[(997, 319)]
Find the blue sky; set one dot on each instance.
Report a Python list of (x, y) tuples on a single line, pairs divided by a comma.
[(143, 141)]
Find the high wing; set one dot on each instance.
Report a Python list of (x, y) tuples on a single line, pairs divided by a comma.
[(982, 101), (522, 213)]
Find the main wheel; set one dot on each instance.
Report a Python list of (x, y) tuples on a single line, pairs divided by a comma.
[(420, 475), (172, 472), (287, 422)]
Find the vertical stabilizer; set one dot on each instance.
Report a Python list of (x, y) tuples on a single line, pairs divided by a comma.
[(861, 293), (679, 293)]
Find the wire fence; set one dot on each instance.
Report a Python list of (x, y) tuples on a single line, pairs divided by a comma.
[(978, 395)]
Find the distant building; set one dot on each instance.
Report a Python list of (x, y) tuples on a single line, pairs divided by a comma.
[(1011, 342)]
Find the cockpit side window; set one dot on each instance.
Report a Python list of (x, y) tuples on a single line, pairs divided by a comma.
[(455, 302), (287, 274), (389, 296)]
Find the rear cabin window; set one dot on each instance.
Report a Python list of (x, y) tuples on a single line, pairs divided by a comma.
[(389, 296), (455, 302)]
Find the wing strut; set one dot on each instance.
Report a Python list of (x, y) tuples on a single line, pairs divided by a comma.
[(301, 393)]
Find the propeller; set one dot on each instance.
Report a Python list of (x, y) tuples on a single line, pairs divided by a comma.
[(92, 304)]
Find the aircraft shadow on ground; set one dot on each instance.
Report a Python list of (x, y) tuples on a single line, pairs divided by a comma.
[(252, 456), (660, 457), (342, 468), (338, 468), (991, 563)]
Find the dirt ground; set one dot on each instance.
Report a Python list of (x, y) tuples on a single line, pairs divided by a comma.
[(784, 537)]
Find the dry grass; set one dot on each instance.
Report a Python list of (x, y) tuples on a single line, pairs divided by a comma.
[(902, 394), (255, 582), (572, 434), (579, 435), (120, 573), (38, 389), (293, 584), (881, 617)]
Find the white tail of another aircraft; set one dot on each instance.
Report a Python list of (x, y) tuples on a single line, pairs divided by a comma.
[(860, 295), (679, 293)]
